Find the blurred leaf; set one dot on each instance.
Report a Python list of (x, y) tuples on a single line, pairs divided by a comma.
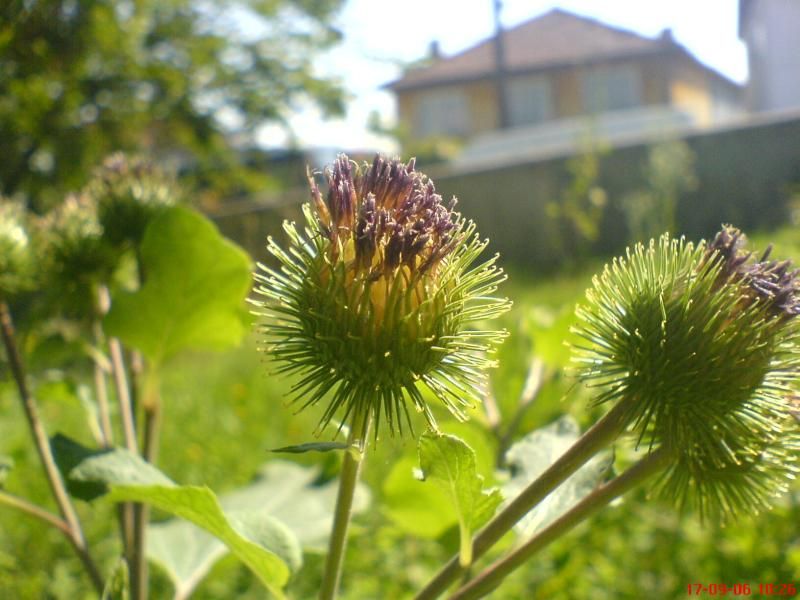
[(260, 541), (449, 463), (193, 295), (288, 492), (422, 510), (117, 585), (185, 552), (283, 490), (312, 447), (89, 472), (529, 458)]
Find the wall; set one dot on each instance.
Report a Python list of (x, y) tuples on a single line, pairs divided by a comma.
[(744, 174)]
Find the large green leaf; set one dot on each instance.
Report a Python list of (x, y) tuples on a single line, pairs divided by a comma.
[(196, 282), (89, 472), (534, 453), (448, 462), (261, 542), (283, 490), (255, 537)]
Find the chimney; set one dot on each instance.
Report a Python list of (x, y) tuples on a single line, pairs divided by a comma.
[(434, 51), (666, 36)]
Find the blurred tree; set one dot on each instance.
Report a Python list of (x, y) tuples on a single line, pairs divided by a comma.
[(184, 80)]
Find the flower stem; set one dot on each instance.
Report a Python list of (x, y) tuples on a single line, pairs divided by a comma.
[(34, 511), (119, 375), (604, 432), (101, 390), (42, 443), (151, 405), (490, 578), (353, 458)]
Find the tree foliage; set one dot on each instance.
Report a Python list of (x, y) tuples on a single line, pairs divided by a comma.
[(181, 79)]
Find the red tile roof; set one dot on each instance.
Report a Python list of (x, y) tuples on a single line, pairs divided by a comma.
[(552, 39)]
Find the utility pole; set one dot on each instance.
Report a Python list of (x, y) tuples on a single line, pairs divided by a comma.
[(500, 69)]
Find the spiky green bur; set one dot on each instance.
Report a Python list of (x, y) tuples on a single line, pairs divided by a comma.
[(704, 366), (16, 264), (130, 192), (372, 303), (75, 252)]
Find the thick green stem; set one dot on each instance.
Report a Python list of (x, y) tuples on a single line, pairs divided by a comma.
[(353, 457), (492, 576), (603, 433), (42, 443)]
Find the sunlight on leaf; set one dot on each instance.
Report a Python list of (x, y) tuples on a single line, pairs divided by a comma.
[(450, 464), (196, 282), (284, 490), (253, 535)]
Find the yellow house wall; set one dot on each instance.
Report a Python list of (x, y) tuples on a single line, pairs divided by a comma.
[(664, 81), (481, 102), (690, 91)]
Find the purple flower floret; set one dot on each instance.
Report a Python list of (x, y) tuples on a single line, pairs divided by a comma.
[(773, 282)]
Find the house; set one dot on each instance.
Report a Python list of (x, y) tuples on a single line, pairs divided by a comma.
[(558, 67), (770, 30)]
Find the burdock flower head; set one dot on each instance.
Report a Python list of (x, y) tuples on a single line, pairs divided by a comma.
[(76, 254), (16, 263), (371, 306), (699, 344), (130, 192)]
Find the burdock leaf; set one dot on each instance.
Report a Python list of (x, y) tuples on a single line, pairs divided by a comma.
[(534, 453), (449, 463), (283, 490), (89, 472), (260, 541), (196, 282), (422, 510)]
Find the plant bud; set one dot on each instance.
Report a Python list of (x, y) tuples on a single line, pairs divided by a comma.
[(129, 193)]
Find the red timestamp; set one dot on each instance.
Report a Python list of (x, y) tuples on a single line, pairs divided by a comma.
[(742, 589)]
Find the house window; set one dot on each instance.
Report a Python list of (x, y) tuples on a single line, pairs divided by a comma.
[(529, 101), (442, 112), (611, 88)]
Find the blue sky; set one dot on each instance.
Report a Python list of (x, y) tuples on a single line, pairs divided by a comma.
[(381, 35)]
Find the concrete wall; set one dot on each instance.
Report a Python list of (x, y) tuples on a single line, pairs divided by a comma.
[(745, 177)]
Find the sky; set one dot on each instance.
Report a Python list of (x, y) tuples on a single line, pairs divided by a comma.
[(382, 35)]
